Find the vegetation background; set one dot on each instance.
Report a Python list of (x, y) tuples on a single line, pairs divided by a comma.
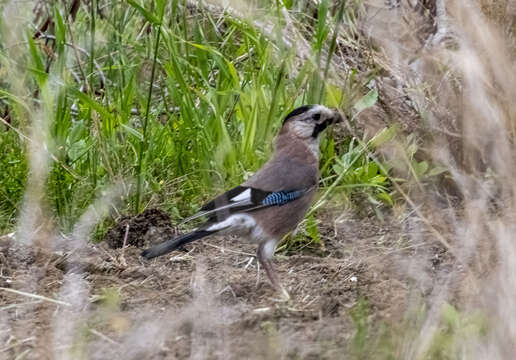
[(113, 107)]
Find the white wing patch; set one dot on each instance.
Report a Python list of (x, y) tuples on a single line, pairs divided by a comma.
[(244, 195), (234, 222)]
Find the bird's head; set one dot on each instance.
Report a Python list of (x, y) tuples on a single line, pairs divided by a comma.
[(308, 122)]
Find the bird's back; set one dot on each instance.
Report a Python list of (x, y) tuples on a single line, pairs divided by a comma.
[(295, 167)]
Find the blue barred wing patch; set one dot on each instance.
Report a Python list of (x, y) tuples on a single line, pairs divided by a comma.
[(281, 197)]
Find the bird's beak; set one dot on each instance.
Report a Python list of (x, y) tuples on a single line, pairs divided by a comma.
[(337, 117)]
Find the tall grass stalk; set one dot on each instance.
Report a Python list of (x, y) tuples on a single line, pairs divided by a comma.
[(333, 44), (140, 172)]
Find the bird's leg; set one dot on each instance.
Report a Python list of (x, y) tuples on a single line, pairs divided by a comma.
[(264, 256)]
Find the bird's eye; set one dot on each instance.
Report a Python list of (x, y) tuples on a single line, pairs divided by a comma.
[(316, 117)]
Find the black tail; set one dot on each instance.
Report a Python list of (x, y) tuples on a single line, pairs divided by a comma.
[(171, 245)]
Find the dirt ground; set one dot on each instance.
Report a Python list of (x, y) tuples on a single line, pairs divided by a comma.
[(209, 300)]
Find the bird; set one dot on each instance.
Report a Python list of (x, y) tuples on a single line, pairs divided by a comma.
[(273, 201)]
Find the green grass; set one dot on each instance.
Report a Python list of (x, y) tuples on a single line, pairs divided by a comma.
[(12, 178), (177, 103)]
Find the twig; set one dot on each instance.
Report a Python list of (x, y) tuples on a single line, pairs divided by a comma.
[(124, 244), (103, 337), (229, 250), (10, 306), (257, 274), (17, 344), (22, 355), (125, 237), (227, 288), (36, 296), (249, 262)]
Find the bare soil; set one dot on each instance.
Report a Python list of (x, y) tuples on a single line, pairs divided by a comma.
[(209, 300)]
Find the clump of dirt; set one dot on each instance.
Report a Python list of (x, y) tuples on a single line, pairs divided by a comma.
[(148, 228)]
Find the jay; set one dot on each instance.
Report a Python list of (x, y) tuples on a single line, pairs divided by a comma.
[(273, 201)]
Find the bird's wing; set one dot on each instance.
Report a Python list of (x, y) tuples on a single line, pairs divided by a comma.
[(278, 182), (244, 199)]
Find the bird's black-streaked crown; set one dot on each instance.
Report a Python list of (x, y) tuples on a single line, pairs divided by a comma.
[(298, 111)]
